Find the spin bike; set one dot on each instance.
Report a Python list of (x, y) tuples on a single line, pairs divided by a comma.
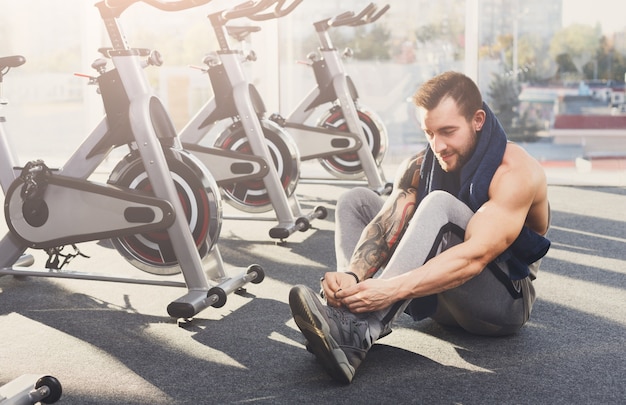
[(160, 207), (334, 86), (254, 160)]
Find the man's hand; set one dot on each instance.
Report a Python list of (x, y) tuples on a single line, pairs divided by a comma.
[(334, 282), (368, 296), (341, 289)]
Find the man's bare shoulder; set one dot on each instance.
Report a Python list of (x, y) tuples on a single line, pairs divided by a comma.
[(517, 160), (520, 177)]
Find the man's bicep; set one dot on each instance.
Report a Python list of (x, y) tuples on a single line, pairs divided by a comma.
[(498, 222)]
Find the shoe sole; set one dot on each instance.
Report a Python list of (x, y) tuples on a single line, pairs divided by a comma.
[(320, 342)]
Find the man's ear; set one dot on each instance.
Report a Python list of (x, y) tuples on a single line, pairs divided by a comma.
[(479, 120)]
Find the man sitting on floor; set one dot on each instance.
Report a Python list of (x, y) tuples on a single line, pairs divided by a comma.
[(459, 240)]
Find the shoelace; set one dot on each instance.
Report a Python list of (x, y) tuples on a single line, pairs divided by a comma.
[(354, 331)]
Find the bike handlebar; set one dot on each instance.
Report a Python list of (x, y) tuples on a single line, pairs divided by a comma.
[(246, 9), (279, 11), (350, 18), (178, 5), (366, 16), (379, 14), (256, 10)]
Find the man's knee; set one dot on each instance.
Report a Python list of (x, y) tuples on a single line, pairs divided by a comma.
[(439, 198), (356, 196), (359, 200)]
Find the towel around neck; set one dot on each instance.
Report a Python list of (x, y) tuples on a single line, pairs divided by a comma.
[(471, 185)]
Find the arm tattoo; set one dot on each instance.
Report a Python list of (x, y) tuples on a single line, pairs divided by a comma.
[(411, 176), (382, 235)]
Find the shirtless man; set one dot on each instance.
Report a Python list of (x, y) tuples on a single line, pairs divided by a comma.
[(459, 240)]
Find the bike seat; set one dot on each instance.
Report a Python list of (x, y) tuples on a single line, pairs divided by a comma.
[(11, 61), (240, 33)]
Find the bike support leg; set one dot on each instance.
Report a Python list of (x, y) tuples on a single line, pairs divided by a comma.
[(374, 178), (198, 296), (285, 212)]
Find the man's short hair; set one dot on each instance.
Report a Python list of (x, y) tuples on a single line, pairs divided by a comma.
[(456, 85)]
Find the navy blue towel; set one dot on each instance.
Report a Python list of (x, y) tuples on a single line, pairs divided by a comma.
[(472, 187)]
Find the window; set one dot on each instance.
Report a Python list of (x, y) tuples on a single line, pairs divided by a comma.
[(553, 70)]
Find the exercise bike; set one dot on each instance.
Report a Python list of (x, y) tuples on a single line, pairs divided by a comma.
[(256, 162), (345, 113), (160, 207)]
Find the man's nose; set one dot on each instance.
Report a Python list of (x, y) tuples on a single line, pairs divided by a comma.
[(438, 145)]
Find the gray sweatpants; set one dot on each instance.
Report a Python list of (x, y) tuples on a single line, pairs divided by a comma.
[(488, 304)]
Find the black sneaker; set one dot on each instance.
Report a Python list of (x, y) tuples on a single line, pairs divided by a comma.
[(337, 337)]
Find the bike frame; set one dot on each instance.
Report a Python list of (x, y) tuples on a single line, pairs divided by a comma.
[(330, 73), (151, 131), (248, 108)]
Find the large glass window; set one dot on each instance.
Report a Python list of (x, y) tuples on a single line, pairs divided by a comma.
[(410, 43), (553, 70)]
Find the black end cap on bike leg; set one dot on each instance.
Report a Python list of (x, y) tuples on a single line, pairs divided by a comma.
[(279, 233), (181, 310)]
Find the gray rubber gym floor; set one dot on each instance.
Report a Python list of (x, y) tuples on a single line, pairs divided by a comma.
[(111, 343)]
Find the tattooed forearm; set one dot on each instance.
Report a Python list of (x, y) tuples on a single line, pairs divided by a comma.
[(383, 233), (372, 251), (381, 236), (400, 219)]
